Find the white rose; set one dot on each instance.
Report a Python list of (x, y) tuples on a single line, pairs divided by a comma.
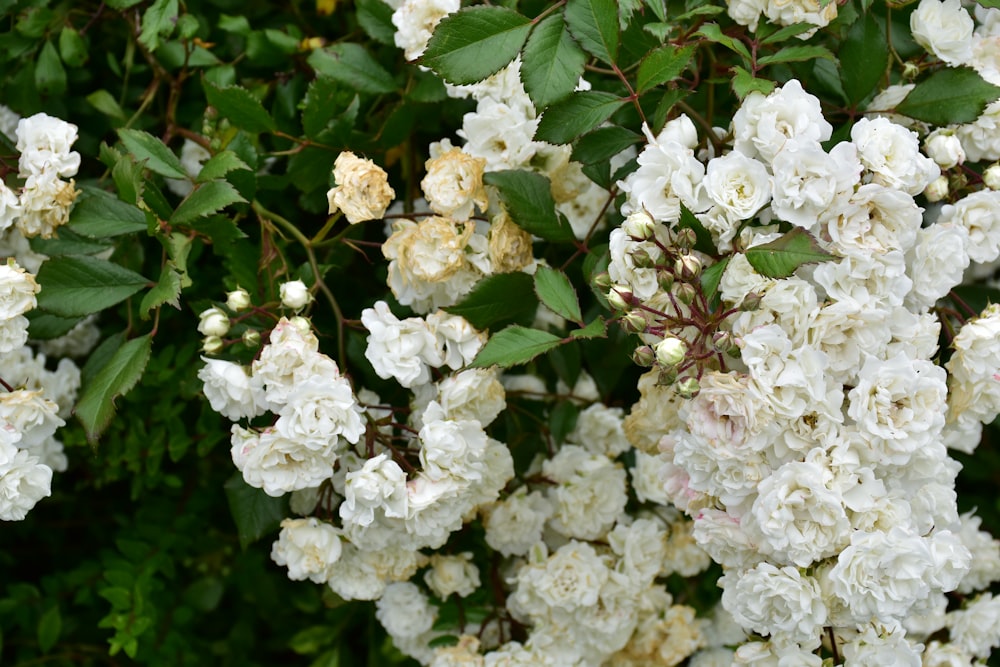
[(399, 349), (764, 125), (945, 148), (979, 213), (944, 29), (213, 322), (775, 601), (515, 524), (404, 611), (892, 154), (811, 185), (600, 430), (308, 547), (453, 185), (452, 574), (17, 290), (229, 391), (474, 394), (451, 447), (379, 485), (362, 191), (44, 142), (739, 184), (321, 408), (23, 482), (590, 493), (415, 21), (295, 295)]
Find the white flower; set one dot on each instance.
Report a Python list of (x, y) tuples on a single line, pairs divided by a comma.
[(404, 611), (764, 125), (308, 547), (590, 493), (213, 322), (501, 132), (295, 295), (379, 485), (321, 408), (474, 394), (599, 429), (945, 148), (452, 574), (892, 154), (872, 647), (415, 21), (515, 524), (17, 290), (739, 184), (238, 299), (775, 601), (944, 29), (229, 390), (936, 262), (979, 213), (568, 580), (400, 349), (811, 185), (458, 342), (10, 206), (45, 204), (976, 628), (276, 464), (290, 358), (453, 185), (23, 482), (31, 414), (451, 447), (362, 191), (44, 142)]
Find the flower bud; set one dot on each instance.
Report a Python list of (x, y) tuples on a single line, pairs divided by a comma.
[(910, 71), (687, 267), (943, 147), (957, 181), (665, 279), (991, 177), (251, 338), (724, 341), (634, 321), (667, 377), (295, 295), (642, 259), (212, 345), (602, 281), (685, 238), (640, 225), (644, 356), (937, 189), (213, 322), (671, 351), (619, 297), (685, 293), (302, 324), (751, 302), (238, 300), (688, 388)]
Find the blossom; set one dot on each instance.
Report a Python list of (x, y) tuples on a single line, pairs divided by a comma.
[(44, 142), (945, 29), (380, 485), (362, 191), (401, 349), (453, 185), (452, 574), (308, 547), (774, 601), (23, 482), (229, 390)]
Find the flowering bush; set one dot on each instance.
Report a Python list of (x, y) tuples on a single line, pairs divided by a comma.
[(577, 333)]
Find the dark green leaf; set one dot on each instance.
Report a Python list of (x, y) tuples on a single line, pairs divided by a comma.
[(594, 24), (663, 64), (72, 48), (500, 298), (99, 214), (49, 629), (663, 107), (562, 420), (950, 95), (527, 197), (781, 257), (796, 54), (166, 290), (158, 21), (158, 157), (473, 43), (350, 64), (68, 242), (46, 326), (104, 102), (116, 378), (745, 83), (239, 106), (864, 56), (659, 8), (713, 33), (704, 241), (206, 199), (787, 32), (604, 143), (577, 114), (552, 62), (375, 18), (50, 76), (255, 513), (219, 165), (556, 291), (596, 329), (77, 285), (711, 277), (513, 346)]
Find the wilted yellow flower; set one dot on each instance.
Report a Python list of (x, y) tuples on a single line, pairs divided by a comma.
[(510, 246), (362, 191), (454, 182)]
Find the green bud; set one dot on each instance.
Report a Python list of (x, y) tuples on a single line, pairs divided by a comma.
[(671, 351), (687, 267), (212, 345), (634, 321), (644, 356), (251, 338), (685, 293), (686, 238), (688, 387)]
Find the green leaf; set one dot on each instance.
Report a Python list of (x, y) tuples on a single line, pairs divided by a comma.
[(703, 237), (948, 96), (796, 54), (158, 157), (663, 64), (713, 33), (596, 329), (46, 326), (204, 200), (500, 298), (50, 76), (166, 290), (781, 257), (663, 107), (76, 285), (604, 143), (594, 24), (350, 64), (68, 242), (255, 513), (577, 114), (659, 8), (99, 214), (72, 48), (105, 102), (787, 32), (240, 106), (551, 63), (49, 629), (158, 21), (711, 277), (556, 291), (375, 18), (114, 379), (527, 196), (745, 83), (515, 345), (219, 165), (473, 43), (864, 56)]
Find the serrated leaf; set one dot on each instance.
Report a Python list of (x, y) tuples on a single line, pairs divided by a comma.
[(713, 33), (527, 196), (577, 114), (49, 629), (475, 42), (711, 277), (219, 165), (239, 106), (499, 298), (68, 242), (46, 326), (556, 291), (703, 242), (703, 10), (604, 143), (350, 64), (76, 285), (114, 379), (99, 214), (659, 8), (864, 55), (796, 54), (949, 96), (206, 199), (745, 83), (787, 32), (782, 256), (158, 21), (513, 346), (663, 64), (551, 63), (157, 156), (594, 24), (166, 290), (255, 513), (663, 107), (596, 329)]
